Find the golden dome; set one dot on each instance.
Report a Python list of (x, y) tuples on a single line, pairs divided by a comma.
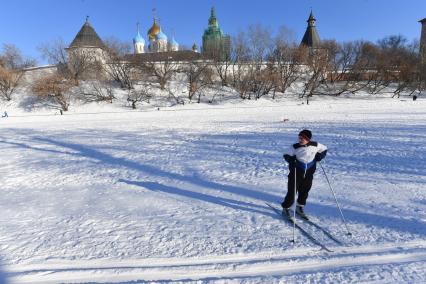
[(154, 30)]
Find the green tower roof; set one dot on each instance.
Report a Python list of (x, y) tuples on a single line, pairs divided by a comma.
[(213, 31)]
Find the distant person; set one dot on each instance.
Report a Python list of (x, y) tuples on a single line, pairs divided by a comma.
[(414, 97), (301, 158), (5, 114)]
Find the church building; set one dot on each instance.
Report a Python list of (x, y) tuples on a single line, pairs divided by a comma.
[(215, 43), (157, 41)]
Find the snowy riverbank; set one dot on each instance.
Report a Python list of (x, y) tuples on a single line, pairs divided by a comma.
[(179, 194)]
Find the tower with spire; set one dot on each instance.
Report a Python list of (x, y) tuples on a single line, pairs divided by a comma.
[(311, 38), (215, 43), (157, 39), (138, 42), (423, 42)]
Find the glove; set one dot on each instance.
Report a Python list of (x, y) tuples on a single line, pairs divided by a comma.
[(291, 160), (320, 156)]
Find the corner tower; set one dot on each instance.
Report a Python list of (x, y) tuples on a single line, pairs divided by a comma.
[(87, 49), (87, 38)]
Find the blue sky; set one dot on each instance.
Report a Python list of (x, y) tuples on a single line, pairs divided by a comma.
[(28, 23)]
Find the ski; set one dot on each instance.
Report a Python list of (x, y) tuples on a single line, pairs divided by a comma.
[(322, 229), (302, 230)]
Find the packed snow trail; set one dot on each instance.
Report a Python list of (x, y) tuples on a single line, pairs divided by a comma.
[(218, 268)]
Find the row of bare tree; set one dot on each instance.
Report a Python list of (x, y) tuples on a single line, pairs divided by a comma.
[(258, 65), (271, 65)]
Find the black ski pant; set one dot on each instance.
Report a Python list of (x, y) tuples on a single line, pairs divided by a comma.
[(303, 185)]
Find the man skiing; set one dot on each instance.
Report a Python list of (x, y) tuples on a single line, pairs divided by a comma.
[(301, 158)]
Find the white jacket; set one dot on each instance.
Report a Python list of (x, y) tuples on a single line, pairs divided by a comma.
[(305, 154)]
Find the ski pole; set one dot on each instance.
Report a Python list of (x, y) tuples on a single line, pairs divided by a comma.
[(335, 198), (294, 202)]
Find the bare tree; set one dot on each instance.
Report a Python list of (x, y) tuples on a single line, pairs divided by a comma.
[(240, 56), (222, 67), (286, 60), (162, 71), (141, 93), (76, 64), (260, 43), (121, 72), (117, 47), (174, 91), (12, 58), (97, 91), (407, 63), (221, 62), (54, 52), (199, 75), (84, 64), (401, 58), (117, 68), (285, 36), (12, 65), (378, 75), (263, 78), (55, 89), (342, 75), (364, 69), (9, 82), (260, 46), (316, 62)]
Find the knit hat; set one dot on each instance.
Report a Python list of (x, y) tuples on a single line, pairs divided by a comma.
[(307, 134)]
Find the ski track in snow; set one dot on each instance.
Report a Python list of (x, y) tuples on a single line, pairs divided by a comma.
[(180, 196), (222, 268)]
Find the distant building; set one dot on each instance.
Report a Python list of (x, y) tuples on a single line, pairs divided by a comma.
[(158, 41), (311, 38), (195, 48), (173, 45), (138, 42), (215, 43), (423, 41)]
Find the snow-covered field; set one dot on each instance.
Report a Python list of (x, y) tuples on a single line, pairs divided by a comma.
[(180, 194)]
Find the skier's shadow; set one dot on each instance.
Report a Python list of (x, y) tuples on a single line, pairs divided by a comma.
[(81, 150), (3, 276), (226, 202)]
